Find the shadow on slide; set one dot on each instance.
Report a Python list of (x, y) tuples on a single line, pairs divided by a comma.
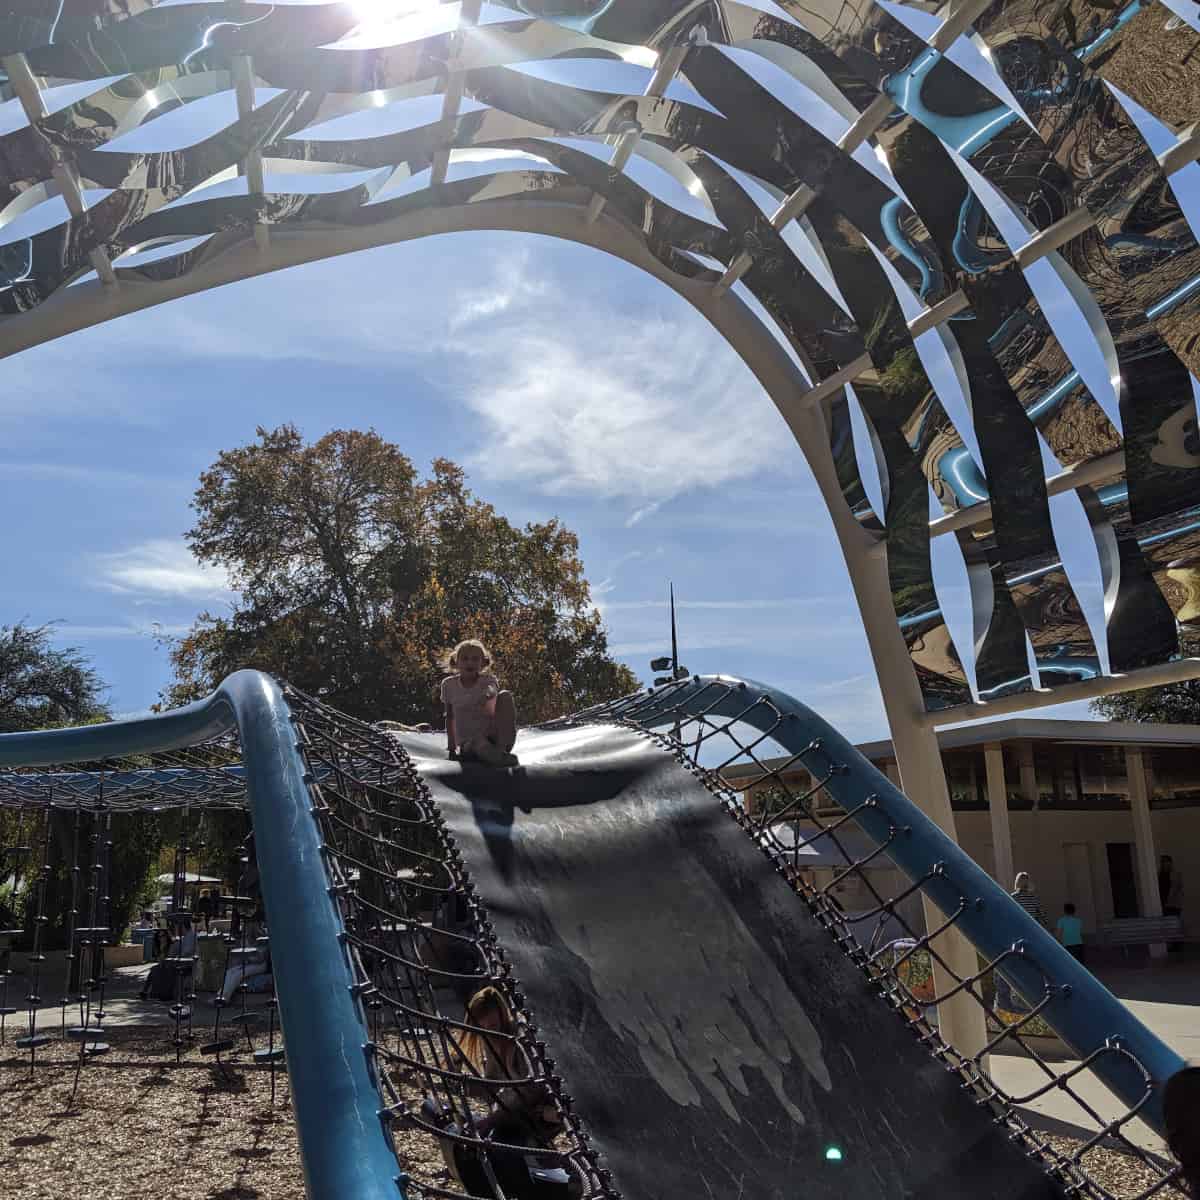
[(715, 1039)]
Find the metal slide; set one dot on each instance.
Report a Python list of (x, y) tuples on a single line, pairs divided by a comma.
[(714, 1037)]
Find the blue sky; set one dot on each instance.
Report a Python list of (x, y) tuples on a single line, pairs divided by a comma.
[(567, 383)]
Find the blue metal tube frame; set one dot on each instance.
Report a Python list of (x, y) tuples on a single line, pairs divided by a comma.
[(1085, 1014), (344, 1146)]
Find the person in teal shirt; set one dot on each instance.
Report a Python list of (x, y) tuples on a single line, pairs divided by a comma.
[(1069, 931)]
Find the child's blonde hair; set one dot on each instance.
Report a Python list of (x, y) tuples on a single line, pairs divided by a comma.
[(491, 1055), (450, 658)]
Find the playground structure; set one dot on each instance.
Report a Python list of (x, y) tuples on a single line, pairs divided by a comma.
[(952, 179), (618, 896)]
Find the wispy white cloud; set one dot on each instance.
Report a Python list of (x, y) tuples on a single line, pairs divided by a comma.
[(606, 410), (574, 394), (640, 514), (71, 632), (513, 283), (160, 569), (853, 705), (68, 473)]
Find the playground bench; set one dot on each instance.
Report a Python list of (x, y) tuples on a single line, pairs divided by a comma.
[(1141, 931)]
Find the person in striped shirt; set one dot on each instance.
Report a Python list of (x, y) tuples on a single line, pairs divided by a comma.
[(1024, 894)]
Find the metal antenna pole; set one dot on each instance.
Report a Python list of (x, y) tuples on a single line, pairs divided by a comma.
[(674, 651), (674, 637)]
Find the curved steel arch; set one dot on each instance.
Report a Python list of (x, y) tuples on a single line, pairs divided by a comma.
[(907, 106)]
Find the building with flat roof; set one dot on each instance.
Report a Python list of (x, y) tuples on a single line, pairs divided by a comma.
[(1086, 807)]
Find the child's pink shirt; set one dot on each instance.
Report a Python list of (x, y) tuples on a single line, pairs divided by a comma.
[(473, 706)]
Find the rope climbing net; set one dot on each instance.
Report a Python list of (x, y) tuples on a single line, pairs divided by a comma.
[(421, 947), (75, 840), (469, 1094), (807, 809)]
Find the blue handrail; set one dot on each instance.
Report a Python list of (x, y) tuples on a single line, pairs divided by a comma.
[(344, 1146), (1081, 1010)]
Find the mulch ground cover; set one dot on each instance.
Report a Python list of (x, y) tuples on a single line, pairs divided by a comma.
[(142, 1126), (1120, 1173)]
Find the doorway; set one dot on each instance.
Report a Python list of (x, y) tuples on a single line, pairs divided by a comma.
[(1121, 877), (1077, 874)]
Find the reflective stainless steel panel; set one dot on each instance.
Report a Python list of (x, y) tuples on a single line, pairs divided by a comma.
[(1135, 271)]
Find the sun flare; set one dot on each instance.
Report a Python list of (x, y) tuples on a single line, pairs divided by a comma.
[(379, 13)]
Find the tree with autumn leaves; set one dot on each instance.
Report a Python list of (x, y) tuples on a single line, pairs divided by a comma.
[(354, 575)]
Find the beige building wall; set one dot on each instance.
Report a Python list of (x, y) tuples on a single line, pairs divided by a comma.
[(1064, 851), (1039, 847)]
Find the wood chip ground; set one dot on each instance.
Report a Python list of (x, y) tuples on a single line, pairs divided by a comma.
[(143, 1127)]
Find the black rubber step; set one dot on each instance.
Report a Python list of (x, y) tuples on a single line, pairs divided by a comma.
[(85, 1033), (32, 1043), (269, 1056), (218, 1047), (243, 1018)]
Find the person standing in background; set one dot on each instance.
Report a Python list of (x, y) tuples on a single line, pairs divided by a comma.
[(1069, 931), (1026, 896)]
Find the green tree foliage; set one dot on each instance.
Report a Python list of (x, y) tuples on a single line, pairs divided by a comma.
[(41, 687), (354, 574), (1177, 703)]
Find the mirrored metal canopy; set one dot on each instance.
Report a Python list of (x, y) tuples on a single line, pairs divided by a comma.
[(950, 215)]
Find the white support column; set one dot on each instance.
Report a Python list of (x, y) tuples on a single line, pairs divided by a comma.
[(915, 744), (1145, 859), (997, 794)]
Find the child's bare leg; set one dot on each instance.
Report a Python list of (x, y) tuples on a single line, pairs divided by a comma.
[(504, 723)]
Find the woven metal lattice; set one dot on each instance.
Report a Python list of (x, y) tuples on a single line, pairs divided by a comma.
[(990, 195), (205, 776)]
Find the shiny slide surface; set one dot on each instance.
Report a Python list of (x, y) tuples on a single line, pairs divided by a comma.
[(715, 1039)]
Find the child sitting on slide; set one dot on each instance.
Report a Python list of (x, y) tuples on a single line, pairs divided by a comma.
[(481, 720)]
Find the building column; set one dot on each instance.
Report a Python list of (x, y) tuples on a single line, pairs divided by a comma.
[(997, 794), (1029, 783), (1145, 859)]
